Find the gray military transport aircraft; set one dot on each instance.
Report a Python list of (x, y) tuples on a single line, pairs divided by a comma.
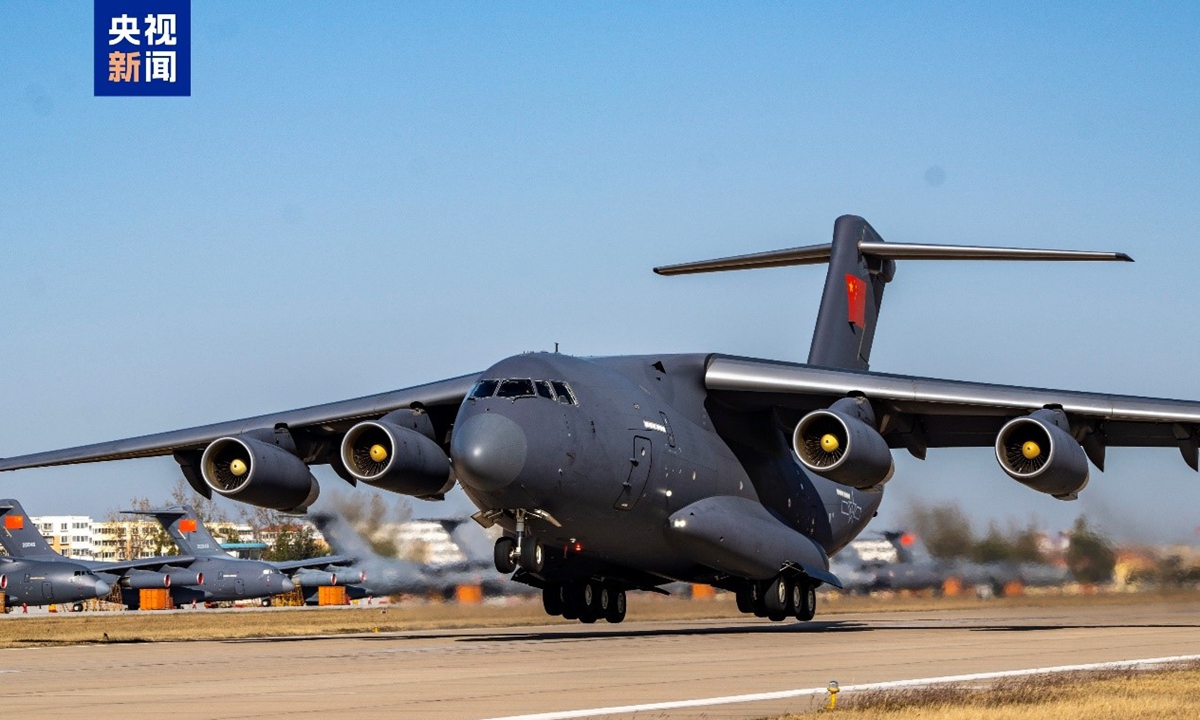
[(188, 578), (185, 528), (610, 474), (26, 581)]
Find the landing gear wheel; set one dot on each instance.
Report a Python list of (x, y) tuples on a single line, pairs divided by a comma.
[(533, 556), (596, 597), (552, 599), (745, 600), (266, 602), (616, 606), (758, 592), (580, 598), (503, 555), (776, 596), (807, 607)]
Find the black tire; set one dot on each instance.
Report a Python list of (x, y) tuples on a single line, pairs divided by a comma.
[(266, 602), (745, 600), (796, 601), (574, 601), (503, 555), (758, 597), (775, 598), (777, 616), (77, 607), (597, 599), (616, 606), (587, 602), (807, 608), (533, 556), (552, 599)]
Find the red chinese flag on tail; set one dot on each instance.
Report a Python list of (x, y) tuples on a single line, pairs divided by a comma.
[(187, 525), (14, 522), (856, 300)]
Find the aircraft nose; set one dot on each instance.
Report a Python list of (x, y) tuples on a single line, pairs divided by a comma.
[(488, 451), (102, 588), (286, 585)]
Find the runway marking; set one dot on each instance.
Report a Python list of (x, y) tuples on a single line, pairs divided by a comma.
[(892, 684)]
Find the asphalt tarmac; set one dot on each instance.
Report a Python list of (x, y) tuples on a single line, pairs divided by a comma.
[(478, 674)]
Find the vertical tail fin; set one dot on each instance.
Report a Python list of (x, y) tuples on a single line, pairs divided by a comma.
[(341, 536), (183, 525), (860, 265), (19, 536), (853, 294)]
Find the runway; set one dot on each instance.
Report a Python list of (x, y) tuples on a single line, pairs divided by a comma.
[(478, 674)]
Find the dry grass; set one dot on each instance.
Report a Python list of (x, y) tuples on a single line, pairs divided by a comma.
[(1166, 694)]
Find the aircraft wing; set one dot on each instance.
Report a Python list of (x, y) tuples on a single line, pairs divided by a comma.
[(919, 413), (145, 563), (313, 562), (329, 419)]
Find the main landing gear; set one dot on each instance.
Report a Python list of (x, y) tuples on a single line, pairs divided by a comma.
[(584, 600), (523, 550), (779, 598)]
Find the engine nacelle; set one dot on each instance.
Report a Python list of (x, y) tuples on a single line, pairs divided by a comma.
[(252, 471), (314, 578), (186, 578), (1038, 451), (145, 580), (396, 458), (842, 445)]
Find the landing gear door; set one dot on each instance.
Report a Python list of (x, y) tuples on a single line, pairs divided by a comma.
[(639, 473)]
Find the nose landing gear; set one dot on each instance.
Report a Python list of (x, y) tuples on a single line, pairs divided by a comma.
[(523, 550)]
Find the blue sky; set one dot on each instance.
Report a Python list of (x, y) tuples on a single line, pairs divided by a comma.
[(362, 197)]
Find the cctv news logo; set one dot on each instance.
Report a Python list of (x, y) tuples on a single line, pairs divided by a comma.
[(143, 47)]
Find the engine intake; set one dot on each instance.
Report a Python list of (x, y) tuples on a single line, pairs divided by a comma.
[(842, 445), (259, 473), (1038, 451), (397, 458)]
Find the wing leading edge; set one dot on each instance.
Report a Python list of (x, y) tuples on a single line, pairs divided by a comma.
[(928, 412), (320, 419)]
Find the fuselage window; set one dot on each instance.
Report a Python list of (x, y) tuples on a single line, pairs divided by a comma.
[(543, 389), (485, 388), (564, 393), (515, 389)]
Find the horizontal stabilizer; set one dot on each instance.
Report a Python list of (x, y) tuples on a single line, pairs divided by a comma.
[(817, 254)]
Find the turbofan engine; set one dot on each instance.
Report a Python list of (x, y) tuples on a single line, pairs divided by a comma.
[(397, 453), (842, 445), (258, 473), (1038, 451), (185, 577), (315, 578), (145, 580)]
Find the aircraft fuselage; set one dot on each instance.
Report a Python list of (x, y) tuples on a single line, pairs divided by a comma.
[(636, 440)]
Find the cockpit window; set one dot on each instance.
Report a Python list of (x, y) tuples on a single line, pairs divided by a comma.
[(564, 393), (543, 389), (515, 388), (484, 388)]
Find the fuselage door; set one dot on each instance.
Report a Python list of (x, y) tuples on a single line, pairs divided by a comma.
[(639, 473), (48, 591)]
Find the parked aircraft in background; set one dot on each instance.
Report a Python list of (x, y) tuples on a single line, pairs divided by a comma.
[(909, 566), (184, 526), (394, 576), (45, 582), (188, 578), (611, 474)]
